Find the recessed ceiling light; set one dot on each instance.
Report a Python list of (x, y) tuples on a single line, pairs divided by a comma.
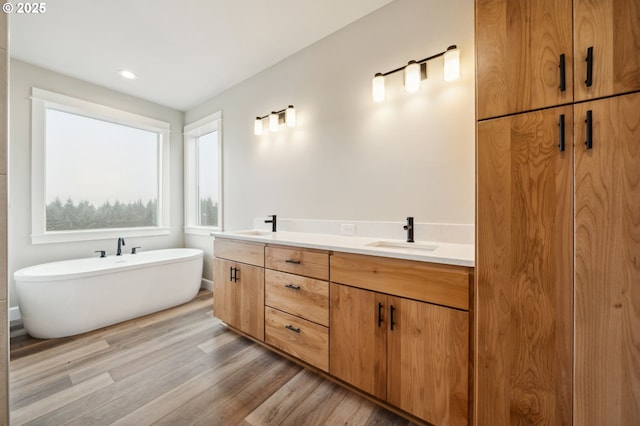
[(127, 74)]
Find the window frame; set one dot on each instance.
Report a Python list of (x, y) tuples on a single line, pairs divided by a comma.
[(192, 132), (41, 100)]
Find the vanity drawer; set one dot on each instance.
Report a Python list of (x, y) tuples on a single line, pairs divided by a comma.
[(434, 283), (295, 336), (310, 263), (243, 252), (304, 297)]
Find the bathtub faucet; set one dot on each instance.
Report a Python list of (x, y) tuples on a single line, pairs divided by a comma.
[(120, 244)]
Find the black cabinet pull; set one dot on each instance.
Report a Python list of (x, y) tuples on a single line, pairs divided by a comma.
[(391, 321), (589, 121), (295, 262), (563, 74), (293, 287), (561, 125), (230, 273), (589, 80), (380, 314), (292, 328)]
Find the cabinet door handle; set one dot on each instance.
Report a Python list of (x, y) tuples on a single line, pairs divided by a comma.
[(563, 74), (292, 328), (230, 273), (293, 287), (380, 314), (295, 262), (391, 321), (561, 126), (589, 59), (589, 128)]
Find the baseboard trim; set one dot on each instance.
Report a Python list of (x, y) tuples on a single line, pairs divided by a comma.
[(206, 284), (14, 314)]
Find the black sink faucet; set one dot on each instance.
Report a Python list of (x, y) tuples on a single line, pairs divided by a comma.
[(272, 221), (120, 244), (409, 228)]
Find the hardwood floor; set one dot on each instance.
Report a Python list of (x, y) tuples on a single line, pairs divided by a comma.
[(176, 367)]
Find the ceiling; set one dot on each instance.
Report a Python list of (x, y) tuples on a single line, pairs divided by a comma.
[(183, 52)]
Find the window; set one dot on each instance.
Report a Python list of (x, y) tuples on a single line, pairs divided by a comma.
[(97, 172), (203, 175)]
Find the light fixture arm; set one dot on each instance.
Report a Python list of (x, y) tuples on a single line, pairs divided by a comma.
[(421, 61), (284, 116)]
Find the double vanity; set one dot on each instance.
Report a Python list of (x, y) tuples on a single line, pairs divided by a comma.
[(387, 318)]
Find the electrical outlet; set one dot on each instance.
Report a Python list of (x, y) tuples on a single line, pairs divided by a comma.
[(347, 229)]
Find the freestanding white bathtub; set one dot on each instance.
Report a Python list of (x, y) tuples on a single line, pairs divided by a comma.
[(73, 296)]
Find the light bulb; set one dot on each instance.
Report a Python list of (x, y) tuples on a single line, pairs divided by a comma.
[(377, 88), (257, 126), (452, 64), (273, 121), (290, 116), (412, 77)]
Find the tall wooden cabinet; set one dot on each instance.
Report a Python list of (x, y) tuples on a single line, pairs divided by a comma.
[(524, 265), (607, 276), (558, 231)]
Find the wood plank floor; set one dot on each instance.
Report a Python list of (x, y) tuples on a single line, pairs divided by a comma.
[(176, 367)]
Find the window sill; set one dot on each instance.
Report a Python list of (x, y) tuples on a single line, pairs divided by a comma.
[(102, 234), (200, 230)]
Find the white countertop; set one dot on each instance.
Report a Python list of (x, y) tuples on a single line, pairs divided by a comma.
[(445, 253)]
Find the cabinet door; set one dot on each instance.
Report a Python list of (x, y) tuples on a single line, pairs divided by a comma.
[(524, 258), (607, 276), (428, 358), (224, 292), (357, 338), (249, 301), (612, 29), (518, 48)]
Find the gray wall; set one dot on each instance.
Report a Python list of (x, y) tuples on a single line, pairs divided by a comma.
[(21, 252), (350, 158)]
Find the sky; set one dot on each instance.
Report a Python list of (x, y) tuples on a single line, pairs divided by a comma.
[(208, 166), (96, 161)]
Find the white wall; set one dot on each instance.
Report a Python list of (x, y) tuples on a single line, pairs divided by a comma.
[(350, 158), (21, 252)]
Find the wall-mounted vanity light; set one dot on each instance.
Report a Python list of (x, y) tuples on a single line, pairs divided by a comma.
[(416, 71), (276, 118)]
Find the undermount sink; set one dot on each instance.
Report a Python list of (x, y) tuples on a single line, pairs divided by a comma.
[(253, 232), (401, 245)]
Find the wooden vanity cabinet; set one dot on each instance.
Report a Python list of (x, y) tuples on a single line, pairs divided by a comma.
[(411, 353), (297, 303), (238, 291)]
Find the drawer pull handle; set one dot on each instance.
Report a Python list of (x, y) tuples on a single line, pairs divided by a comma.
[(295, 262), (292, 328), (379, 314), (293, 287), (563, 74), (561, 126), (589, 128), (589, 81), (391, 321)]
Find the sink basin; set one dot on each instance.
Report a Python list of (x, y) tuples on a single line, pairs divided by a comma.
[(401, 245), (253, 232)]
